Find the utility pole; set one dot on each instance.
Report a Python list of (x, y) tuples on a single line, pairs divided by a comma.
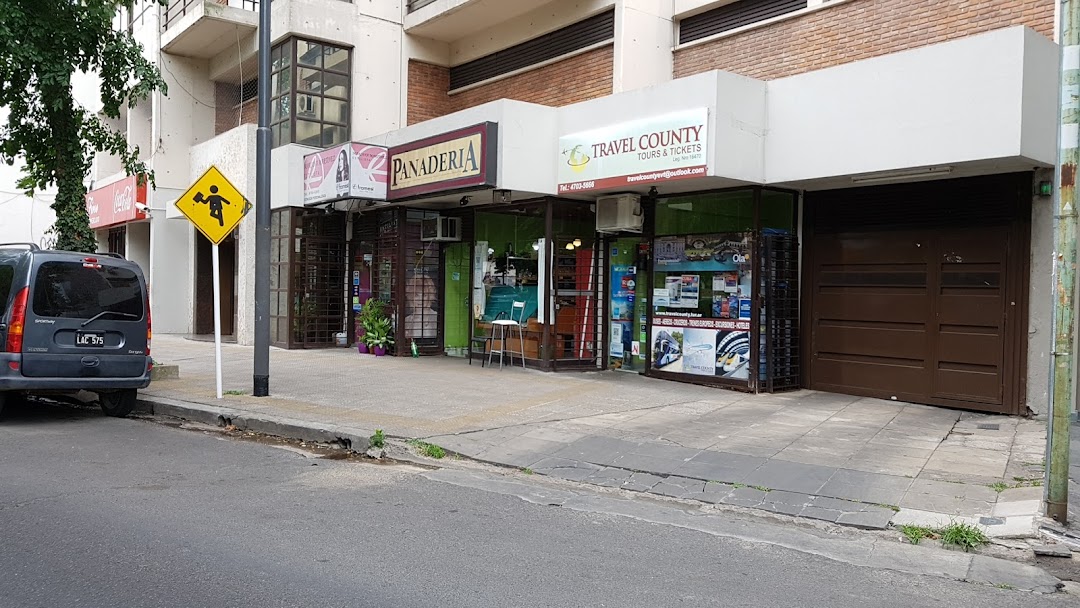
[(1063, 390), (261, 378)]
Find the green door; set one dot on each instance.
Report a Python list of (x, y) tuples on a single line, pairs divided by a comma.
[(456, 298)]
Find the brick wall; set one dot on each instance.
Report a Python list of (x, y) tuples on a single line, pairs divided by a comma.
[(427, 91), (579, 78), (858, 30), (227, 113)]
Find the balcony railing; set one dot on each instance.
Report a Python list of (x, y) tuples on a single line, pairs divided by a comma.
[(415, 5), (178, 8)]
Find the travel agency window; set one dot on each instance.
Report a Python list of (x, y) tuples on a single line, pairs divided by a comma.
[(310, 91), (720, 261), (703, 287)]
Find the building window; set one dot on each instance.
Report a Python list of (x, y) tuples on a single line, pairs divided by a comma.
[(309, 87), (572, 38), (734, 15)]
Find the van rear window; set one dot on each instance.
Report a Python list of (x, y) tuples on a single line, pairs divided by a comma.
[(7, 277), (71, 290)]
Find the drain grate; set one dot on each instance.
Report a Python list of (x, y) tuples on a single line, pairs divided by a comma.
[(989, 427)]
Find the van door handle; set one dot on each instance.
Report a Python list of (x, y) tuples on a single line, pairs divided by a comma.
[(3, 326)]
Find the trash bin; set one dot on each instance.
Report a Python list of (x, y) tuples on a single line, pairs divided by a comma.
[(341, 339)]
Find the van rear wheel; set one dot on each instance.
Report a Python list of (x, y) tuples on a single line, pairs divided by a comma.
[(118, 403)]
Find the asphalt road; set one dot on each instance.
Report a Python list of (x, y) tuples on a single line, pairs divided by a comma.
[(102, 512)]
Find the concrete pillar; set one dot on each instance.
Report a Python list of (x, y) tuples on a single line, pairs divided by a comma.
[(644, 37)]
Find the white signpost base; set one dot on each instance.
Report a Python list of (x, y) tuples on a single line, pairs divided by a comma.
[(217, 319)]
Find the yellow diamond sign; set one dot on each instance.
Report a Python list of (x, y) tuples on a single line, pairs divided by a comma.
[(214, 205)]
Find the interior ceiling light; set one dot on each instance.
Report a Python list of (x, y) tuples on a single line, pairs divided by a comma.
[(569, 246), (577, 242)]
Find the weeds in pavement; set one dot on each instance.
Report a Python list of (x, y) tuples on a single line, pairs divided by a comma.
[(378, 440), (1004, 586), (965, 536), (428, 449), (738, 485), (999, 486), (915, 534), (894, 508), (1027, 482), (234, 392), (762, 488), (527, 471)]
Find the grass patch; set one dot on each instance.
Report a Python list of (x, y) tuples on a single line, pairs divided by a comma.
[(234, 392), (1027, 482), (999, 486), (428, 449), (965, 536), (378, 440), (915, 534)]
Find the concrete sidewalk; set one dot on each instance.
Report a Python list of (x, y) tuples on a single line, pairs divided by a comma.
[(838, 458)]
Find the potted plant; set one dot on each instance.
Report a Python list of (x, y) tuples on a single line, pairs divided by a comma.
[(363, 318), (376, 326)]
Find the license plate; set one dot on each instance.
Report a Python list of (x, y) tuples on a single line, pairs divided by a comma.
[(89, 338)]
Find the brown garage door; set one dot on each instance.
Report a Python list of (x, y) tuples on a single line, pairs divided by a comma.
[(916, 312)]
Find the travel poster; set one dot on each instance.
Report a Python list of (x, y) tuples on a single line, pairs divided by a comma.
[(701, 346), (623, 284)]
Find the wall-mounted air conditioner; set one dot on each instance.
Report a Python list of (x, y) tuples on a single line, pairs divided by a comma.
[(619, 213), (440, 229), (306, 105)]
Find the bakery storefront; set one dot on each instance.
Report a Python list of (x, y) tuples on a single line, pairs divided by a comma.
[(457, 242)]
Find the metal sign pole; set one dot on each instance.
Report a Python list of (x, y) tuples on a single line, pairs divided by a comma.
[(261, 376), (217, 319)]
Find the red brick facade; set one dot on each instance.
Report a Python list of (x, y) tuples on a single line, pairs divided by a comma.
[(228, 112), (579, 78), (427, 91), (858, 30)]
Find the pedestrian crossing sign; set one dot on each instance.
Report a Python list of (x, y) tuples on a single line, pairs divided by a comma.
[(214, 205)]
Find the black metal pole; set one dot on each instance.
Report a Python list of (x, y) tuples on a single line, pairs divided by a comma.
[(262, 212)]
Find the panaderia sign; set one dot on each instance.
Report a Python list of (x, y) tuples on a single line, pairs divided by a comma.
[(451, 161), (118, 203), (661, 148)]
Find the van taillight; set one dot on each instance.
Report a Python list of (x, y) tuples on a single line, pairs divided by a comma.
[(17, 323), (148, 333)]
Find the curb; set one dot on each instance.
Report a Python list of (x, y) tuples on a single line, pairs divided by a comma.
[(350, 438)]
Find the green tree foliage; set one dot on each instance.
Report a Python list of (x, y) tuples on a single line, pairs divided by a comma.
[(43, 43)]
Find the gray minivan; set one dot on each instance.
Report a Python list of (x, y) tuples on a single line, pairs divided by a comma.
[(73, 321)]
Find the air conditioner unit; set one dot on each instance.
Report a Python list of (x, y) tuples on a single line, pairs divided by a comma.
[(306, 105), (440, 229), (619, 213)]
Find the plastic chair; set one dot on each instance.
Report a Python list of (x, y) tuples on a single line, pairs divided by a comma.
[(501, 327)]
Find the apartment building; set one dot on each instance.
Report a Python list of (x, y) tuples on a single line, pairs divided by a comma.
[(846, 195)]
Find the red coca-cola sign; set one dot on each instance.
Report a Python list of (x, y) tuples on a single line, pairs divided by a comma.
[(118, 203)]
